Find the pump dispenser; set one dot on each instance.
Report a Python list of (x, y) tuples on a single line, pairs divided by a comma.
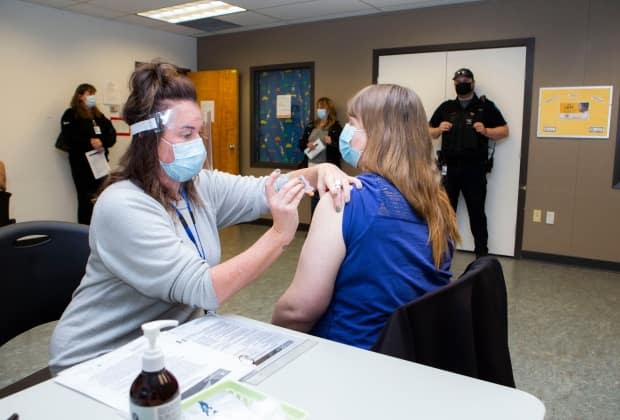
[(155, 394)]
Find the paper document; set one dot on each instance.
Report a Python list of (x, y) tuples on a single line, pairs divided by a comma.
[(283, 106), (199, 354), (241, 338), (319, 146), (98, 163)]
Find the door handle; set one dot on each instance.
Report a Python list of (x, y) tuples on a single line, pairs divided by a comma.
[(231, 146)]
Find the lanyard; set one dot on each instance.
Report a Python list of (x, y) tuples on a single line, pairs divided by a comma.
[(188, 230)]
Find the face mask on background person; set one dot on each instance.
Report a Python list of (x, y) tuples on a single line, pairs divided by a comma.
[(90, 101), (321, 114), (349, 154), (189, 158), (463, 88)]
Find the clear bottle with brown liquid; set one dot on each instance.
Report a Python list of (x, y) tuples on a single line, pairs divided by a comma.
[(154, 394)]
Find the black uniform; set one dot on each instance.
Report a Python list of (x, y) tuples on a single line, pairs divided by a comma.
[(78, 132), (464, 152)]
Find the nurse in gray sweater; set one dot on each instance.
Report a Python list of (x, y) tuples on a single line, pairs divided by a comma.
[(155, 249)]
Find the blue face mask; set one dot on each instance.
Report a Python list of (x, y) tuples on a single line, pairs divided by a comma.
[(90, 101), (321, 114), (349, 154), (189, 157)]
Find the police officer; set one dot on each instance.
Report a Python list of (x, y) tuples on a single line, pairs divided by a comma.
[(466, 124)]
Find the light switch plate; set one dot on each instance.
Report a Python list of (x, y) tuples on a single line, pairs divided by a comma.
[(537, 216), (550, 218)]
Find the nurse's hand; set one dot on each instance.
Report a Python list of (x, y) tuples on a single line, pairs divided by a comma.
[(283, 205), (339, 184)]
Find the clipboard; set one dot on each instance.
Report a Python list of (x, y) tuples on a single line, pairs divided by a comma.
[(98, 163), (319, 146)]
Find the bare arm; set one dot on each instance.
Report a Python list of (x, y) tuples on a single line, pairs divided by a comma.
[(435, 132), (495, 133), (309, 294)]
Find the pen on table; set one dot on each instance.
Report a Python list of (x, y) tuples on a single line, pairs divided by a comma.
[(272, 352)]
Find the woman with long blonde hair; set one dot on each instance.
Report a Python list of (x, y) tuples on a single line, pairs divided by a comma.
[(392, 243)]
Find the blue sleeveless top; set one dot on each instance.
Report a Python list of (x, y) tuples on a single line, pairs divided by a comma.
[(388, 263)]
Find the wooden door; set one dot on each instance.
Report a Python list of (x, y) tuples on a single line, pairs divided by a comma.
[(221, 89)]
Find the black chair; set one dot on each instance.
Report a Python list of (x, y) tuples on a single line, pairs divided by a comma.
[(42, 263), (461, 327), (5, 197)]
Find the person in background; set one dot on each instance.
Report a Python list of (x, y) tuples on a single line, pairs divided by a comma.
[(155, 248), (466, 124), (85, 128), (2, 176), (326, 129), (401, 220)]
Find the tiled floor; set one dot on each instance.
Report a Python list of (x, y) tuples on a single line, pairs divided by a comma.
[(564, 328)]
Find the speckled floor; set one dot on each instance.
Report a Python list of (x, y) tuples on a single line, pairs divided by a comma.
[(564, 328)]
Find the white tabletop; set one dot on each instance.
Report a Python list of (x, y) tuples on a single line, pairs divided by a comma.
[(330, 381)]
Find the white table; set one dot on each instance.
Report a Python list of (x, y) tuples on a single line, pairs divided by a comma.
[(330, 381)]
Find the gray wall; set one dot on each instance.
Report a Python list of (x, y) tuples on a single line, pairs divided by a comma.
[(576, 44)]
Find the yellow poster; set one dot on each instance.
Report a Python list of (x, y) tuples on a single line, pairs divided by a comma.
[(575, 112)]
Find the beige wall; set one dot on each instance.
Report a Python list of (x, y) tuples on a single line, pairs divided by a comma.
[(576, 44), (45, 54)]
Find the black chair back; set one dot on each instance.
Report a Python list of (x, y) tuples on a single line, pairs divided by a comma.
[(41, 264), (461, 327), (4, 208)]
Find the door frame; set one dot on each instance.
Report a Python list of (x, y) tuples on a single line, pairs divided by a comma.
[(529, 44)]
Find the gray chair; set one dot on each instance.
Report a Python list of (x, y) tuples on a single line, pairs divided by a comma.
[(42, 263), (461, 327)]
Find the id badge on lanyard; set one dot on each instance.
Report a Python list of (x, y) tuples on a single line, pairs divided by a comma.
[(96, 128)]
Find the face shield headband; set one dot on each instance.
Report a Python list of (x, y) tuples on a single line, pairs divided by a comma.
[(156, 123), (166, 119)]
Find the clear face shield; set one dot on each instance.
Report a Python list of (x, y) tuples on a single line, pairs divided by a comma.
[(170, 119)]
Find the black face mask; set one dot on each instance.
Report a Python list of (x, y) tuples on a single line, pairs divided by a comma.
[(463, 88)]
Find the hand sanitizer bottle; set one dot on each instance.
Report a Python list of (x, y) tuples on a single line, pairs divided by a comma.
[(154, 395)]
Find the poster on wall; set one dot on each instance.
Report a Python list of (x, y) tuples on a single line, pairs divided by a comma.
[(574, 112), (281, 107)]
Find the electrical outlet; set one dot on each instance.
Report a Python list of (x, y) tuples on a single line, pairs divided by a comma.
[(550, 218), (537, 216)]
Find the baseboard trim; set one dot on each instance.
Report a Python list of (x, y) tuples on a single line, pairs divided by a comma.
[(267, 222), (563, 259)]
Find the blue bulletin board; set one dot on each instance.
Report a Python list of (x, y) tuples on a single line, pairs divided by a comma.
[(281, 107)]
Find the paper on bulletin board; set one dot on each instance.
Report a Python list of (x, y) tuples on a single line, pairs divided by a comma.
[(283, 106), (575, 112)]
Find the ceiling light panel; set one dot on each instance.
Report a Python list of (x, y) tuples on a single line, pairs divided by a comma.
[(192, 11)]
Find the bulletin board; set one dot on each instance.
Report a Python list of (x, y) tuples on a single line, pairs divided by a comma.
[(281, 107), (575, 112)]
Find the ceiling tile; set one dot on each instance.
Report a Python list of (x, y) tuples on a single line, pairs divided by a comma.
[(89, 9), (54, 3), (261, 4), (248, 19), (318, 9)]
